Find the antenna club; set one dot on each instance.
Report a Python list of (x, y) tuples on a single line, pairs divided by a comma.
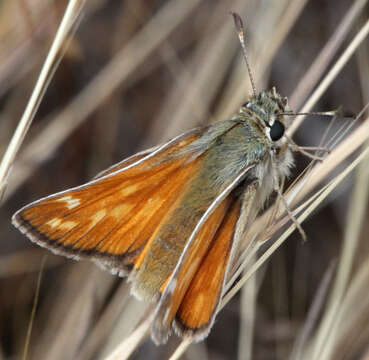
[(238, 22)]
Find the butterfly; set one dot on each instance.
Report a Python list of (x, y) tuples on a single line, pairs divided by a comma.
[(171, 217)]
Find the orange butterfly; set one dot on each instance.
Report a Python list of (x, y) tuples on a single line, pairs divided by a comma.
[(171, 217)]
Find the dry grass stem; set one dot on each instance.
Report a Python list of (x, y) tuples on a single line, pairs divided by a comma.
[(105, 324), (126, 348), (311, 77), (181, 349), (104, 83), (48, 68), (356, 216), (332, 74), (313, 315), (33, 312), (247, 319)]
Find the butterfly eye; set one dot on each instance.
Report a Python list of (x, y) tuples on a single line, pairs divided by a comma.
[(276, 130)]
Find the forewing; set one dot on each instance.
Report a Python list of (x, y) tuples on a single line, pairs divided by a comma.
[(110, 219)]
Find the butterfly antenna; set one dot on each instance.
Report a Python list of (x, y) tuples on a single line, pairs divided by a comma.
[(339, 112), (241, 35)]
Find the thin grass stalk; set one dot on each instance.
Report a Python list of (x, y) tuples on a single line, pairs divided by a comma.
[(332, 74), (126, 61), (34, 308), (308, 81), (356, 215), (247, 319), (313, 314), (130, 344), (72, 10)]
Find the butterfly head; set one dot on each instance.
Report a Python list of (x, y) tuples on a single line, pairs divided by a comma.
[(267, 109)]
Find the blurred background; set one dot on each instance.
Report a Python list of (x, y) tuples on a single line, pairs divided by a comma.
[(134, 75)]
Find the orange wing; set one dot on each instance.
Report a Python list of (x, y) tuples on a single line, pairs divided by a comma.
[(110, 219), (190, 306), (190, 299), (198, 307)]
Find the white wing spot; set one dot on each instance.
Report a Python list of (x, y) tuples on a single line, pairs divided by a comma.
[(120, 210), (128, 190), (67, 225), (71, 202), (61, 224), (54, 223), (98, 216)]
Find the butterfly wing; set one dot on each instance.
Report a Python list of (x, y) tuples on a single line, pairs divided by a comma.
[(200, 304), (191, 306), (111, 218), (197, 309)]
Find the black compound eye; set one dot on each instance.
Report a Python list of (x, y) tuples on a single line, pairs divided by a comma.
[(276, 130)]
